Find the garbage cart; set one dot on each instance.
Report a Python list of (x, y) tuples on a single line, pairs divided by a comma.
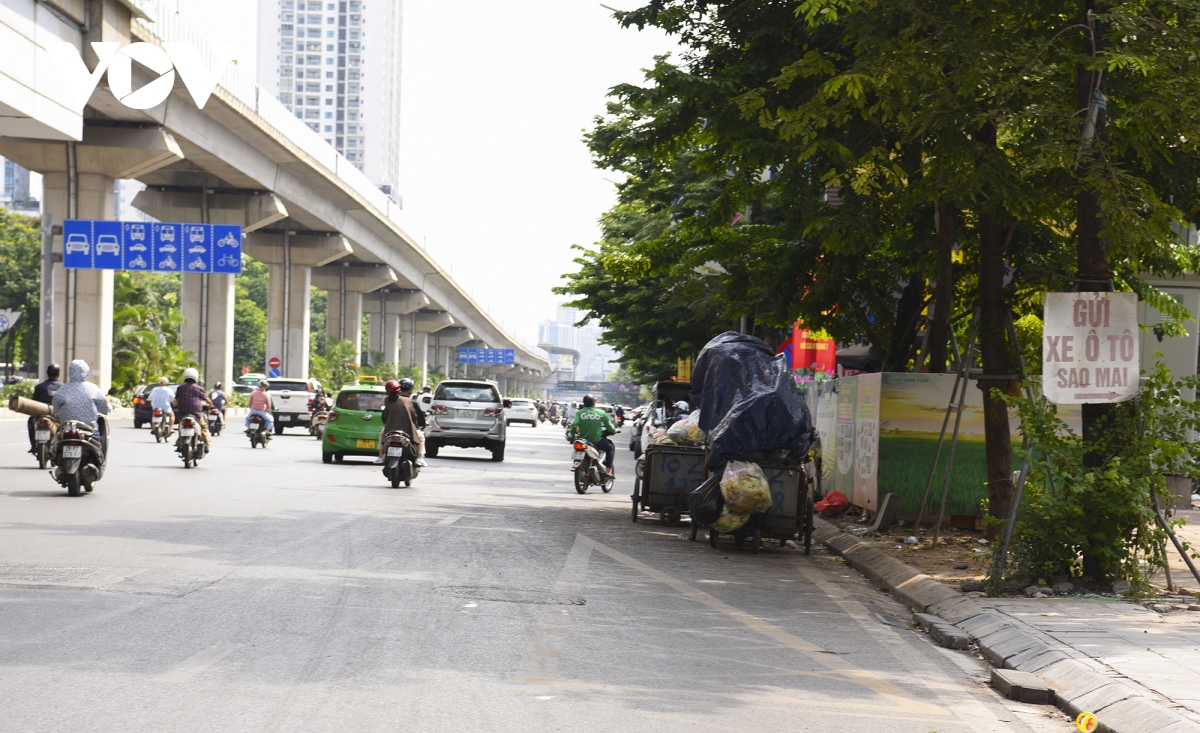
[(665, 475), (790, 515)]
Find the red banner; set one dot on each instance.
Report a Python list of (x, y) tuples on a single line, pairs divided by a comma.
[(812, 358)]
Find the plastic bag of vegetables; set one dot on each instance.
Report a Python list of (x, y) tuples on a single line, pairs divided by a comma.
[(745, 488), (730, 521)]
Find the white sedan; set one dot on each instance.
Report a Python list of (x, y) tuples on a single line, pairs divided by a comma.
[(522, 410)]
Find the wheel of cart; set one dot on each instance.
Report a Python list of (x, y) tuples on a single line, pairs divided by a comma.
[(664, 477)]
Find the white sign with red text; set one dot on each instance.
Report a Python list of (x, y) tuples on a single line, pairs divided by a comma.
[(1090, 348)]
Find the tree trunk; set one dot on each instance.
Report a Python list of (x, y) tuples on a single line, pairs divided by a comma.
[(908, 313), (996, 353), (1092, 271), (943, 292)]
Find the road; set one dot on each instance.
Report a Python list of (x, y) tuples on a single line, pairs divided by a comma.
[(265, 591)]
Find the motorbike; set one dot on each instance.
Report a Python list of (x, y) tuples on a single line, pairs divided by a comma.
[(215, 423), (257, 432), (589, 468), (400, 459), (79, 456), (554, 420), (43, 430), (316, 426), (160, 427), (190, 446)]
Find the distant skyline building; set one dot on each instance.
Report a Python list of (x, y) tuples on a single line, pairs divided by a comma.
[(336, 66), (596, 360), (15, 194)]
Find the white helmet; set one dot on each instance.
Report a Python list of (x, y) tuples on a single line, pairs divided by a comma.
[(681, 405), (190, 373)]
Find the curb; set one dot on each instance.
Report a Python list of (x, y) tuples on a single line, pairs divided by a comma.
[(1118, 708)]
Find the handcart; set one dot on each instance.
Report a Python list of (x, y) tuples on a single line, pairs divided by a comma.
[(791, 511), (665, 475)]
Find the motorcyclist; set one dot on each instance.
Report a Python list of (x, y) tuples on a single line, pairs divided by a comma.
[(81, 401), (219, 399), (593, 425), (320, 404), (191, 400), (259, 403), (44, 393), (399, 414), (679, 412), (160, 399), (553, 410), (620, 415), (406, 388)]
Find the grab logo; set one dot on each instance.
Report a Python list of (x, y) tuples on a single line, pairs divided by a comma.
[(79, 83)]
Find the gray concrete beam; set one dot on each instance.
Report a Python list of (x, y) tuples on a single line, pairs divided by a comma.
[(115, 152), (249, 211), (427, 322), (310, 250), (395, 303), (353, 277)]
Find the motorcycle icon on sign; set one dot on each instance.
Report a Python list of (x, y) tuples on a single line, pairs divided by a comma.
[(138, 263), (198, 264), (227, 241), (168, 264)]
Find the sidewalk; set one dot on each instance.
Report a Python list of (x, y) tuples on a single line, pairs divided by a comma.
[(1137, 670)]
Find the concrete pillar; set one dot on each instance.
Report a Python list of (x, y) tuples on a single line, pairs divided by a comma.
[(421, 347), (83, 299), (288, 317), (390, 314), (345, 325), (207, 306), (291, 259)]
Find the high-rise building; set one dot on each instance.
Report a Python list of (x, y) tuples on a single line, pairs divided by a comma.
[(596, 360), (336, 66), (14, 194)]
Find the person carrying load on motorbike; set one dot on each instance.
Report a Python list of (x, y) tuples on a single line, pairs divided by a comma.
[(219, 400), (399, 414), (81, 401), (259, 403), (44, 393), (592, 424), (406, 388), (191, 400), (160, 399)]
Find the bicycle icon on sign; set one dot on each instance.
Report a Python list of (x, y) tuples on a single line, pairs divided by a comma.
[(228, 261)]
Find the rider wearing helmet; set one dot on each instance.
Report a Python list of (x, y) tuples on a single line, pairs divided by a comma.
[(679, 411), (44, 393), (219, 399), (399, 414), (592, 424), (191, 400), (406, 388)]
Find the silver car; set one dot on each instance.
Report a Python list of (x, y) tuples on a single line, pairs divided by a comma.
[(467, 413)]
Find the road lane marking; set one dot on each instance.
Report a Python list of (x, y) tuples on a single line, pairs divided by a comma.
[(450, 520), (545, 649), (904, 701), (965, 706), (376, 563), (198, 662)]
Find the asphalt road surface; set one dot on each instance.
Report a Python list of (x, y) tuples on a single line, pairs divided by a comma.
[(265, 591)]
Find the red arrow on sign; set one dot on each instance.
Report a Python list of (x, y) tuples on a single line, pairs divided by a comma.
[(274, 362)]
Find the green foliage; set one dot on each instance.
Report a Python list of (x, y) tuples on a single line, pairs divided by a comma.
[(250, 317), (1072, 510), (337, 367), (24, 388), (20, 285), (387, 370), (146, 329)]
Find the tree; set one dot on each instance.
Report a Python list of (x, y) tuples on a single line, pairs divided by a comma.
[(250, 316), (146, 328), (20, 284)]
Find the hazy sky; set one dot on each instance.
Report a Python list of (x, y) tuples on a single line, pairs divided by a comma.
[(495, 97)]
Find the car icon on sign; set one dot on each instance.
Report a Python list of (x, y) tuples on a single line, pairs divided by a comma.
[(196, 250), (227, 241), (137, 233), (166, 234), (77, 243), (167, 248), (108, 243), (138, 248), (196, 234)]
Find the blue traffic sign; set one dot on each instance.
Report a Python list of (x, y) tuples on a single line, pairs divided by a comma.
[(152, 246), (487, 356), (273, 374)]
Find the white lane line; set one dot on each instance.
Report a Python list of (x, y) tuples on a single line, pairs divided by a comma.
[(198, 662), (550, 634), (375, 564), (450, 520)]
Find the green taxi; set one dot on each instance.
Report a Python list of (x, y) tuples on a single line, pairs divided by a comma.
[(354, 423)]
